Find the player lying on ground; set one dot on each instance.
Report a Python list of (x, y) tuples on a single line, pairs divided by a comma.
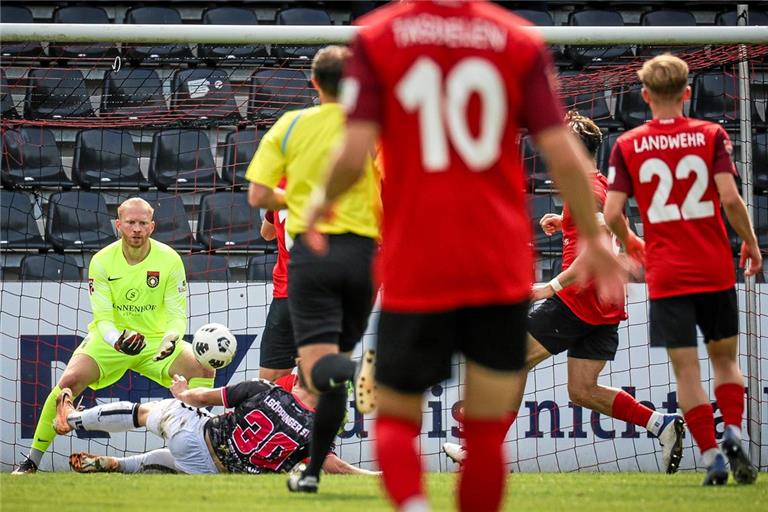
[(681, 171), (138, 293), (573, 318), (267, 431)]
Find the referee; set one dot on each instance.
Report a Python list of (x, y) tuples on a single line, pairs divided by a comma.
[(330, 295)]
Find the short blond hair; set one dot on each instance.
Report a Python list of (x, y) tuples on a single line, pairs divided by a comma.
[(664, 76), (135, 201)]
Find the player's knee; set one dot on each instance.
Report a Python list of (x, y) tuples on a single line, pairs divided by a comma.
[(581, 393)]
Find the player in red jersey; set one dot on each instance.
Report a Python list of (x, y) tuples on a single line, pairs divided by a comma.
[(681, 172), (447, 86)]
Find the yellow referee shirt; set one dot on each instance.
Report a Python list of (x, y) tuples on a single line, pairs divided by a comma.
[(298, 147)]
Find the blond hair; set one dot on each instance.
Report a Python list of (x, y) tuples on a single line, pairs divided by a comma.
[(664, 76), (135, 201)]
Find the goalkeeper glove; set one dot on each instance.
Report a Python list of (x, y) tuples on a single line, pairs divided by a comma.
[(130, 343), (167, 346)]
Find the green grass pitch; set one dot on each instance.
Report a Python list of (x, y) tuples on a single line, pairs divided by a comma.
[(578, 492)]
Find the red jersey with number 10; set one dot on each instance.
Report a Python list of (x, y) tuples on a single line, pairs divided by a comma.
[(669, 166), (451, 84)]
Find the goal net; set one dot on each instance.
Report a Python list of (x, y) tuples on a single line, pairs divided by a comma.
[(85, 126)]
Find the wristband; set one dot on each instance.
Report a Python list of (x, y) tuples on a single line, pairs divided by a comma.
[(555, 284)]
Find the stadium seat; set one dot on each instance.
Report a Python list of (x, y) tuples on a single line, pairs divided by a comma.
[(171, 224), (276, 91), (31, 158), (181, 159), (760, 161), (226, 221), (730, 18), (206, 267), (49, 267), (106, 158), (18, 14), (549, 268), (539, 205), (55, 93), (18, 225), (594, 55), (715, 98), (299, 16), (542, 18), (204, 95), (7, 108), (631, 110), (239, 149), (81, 14), (78, 220), (230, 16), (595, 106), (260, 267), (604, 153), (155, 15), (133, 92), (665, 18), (538, 179)]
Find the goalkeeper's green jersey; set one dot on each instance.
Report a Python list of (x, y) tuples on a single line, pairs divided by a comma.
[(149, 297)]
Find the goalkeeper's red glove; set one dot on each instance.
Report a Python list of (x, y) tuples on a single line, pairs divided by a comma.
[(130, 343)]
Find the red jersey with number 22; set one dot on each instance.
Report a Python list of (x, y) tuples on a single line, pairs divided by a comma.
[(451, 84), (669, 166)]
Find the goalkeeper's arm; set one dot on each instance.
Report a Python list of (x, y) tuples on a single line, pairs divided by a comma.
[(175, 300)]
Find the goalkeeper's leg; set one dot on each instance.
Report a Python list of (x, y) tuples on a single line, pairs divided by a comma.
[(156, 460)]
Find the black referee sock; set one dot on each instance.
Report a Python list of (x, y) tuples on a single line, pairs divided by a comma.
[(331, 371), (331, 408)]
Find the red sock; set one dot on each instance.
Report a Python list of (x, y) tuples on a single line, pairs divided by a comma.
[(701, 423), (626, 408), (398, 458), (730, 400), (483, 474)]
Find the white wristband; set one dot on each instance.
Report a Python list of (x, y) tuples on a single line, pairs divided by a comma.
[(555, 284), (111, 337)]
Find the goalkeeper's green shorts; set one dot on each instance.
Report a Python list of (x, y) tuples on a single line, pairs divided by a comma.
[(113, 364)]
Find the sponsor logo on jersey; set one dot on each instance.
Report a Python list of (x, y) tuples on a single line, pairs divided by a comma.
[(153, 278), (132, 294)]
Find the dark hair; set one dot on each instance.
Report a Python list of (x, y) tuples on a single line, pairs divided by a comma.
[(586, 129), (328, 67)]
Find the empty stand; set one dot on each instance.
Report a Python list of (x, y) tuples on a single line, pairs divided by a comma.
[(631, 110), (171, 224), (204, 95), (594, 55), (18, 14), (299, 16), (206, 267), (276, 91), (106, 158), (54, 93), (539, 205), (155, 15), (239, 149), (18, 224), (81, 14), (260, 267), (665, 18), (49, 267), (760, 161), (715, 98), (230, 16), (730, 18), (538, 179), (182, 160), (7, 108), (595, 106), (604, 153), (31, 158), (78, 220), (133, 92), (227, 222)]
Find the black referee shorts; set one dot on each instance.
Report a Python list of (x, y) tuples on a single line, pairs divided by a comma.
[(278, 349), (674, 319), (331, 296)]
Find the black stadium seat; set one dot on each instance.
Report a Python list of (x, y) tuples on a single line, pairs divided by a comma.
[(715, 98), (230, 16), (631, 110), (593, 55), (106, 158), (81, 14), (539, 205), (276, 91), (56, 93), (182, 159), (18, 14), (299, 16), (7, 108), (171, 224), (227, 222), (730, 18), (538, 179), (542, 18), (604, 153), (49, 267), (665, 18), (18, 225), (206, 267), (260, 267), (760, 161), (31, 158), (240, 147), (133, 92), (155, 15), (595, 106), (204, 95), (78, 220)]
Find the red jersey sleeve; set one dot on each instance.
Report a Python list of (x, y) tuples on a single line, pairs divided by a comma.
[(723, 150), (269, 217), (541, 108), (361, 90), (619, 179)]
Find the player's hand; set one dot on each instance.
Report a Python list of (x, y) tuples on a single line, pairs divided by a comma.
[(317, 210), (167, 346), (751, 252), (179, 386), (601, 264), (541, 291), (130, 343), (551, 223), (635, 248)]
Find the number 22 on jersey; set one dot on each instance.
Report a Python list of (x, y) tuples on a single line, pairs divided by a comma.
[(693, 207), (442, 101)]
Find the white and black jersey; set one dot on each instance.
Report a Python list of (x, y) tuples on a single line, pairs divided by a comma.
[(268, 430)]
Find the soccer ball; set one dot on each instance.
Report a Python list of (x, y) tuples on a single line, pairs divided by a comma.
[(214, 346)]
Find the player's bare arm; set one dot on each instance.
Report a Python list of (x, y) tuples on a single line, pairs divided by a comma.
[(613, 213), (337, 466), (738, 217), (197, 397), (268, 231), (269, 198)]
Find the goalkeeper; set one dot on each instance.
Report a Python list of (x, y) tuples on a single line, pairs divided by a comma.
[(138, 293)]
